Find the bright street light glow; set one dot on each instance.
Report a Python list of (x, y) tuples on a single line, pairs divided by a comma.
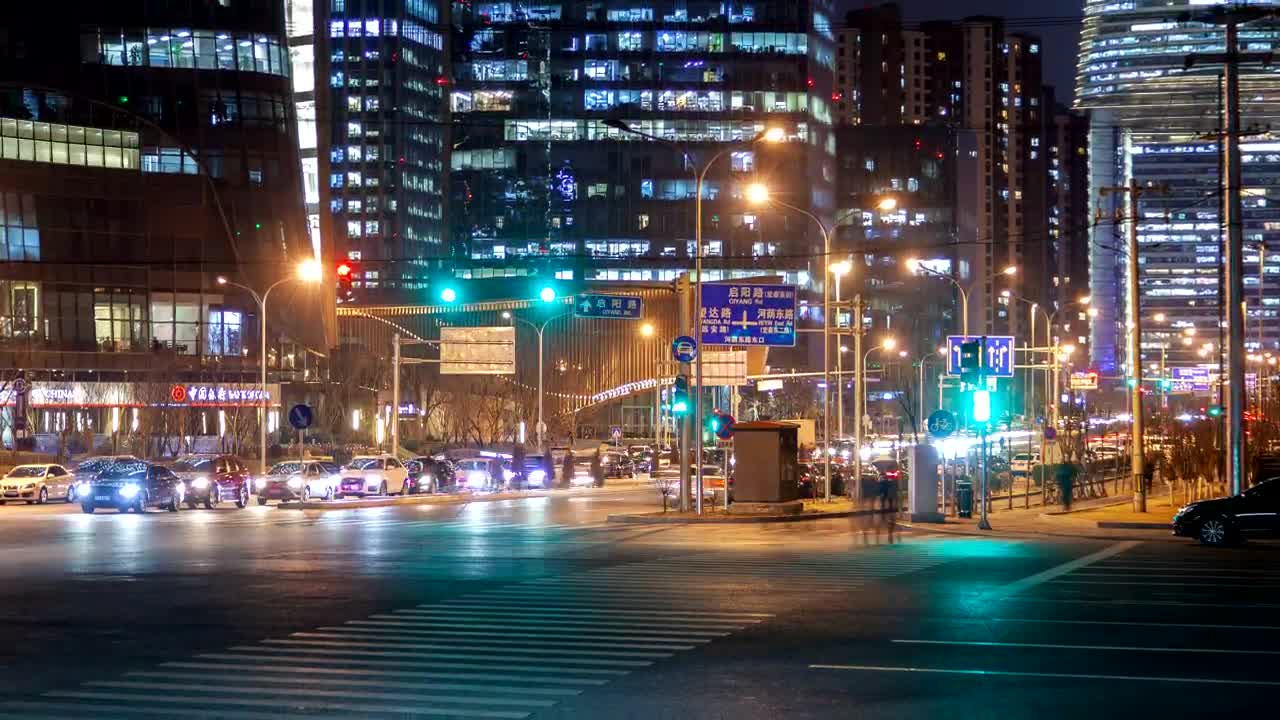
[(889, 344), (912, 264), (841, 268), (1085, 299), (888, 204), (775, 135), (647, 330), (1006, 293), (1011, 270), (1093, 312), (1159, 317), (757, 194), (506, 315), (942, 350), (309, 270), (222, 280), (1187, 341)]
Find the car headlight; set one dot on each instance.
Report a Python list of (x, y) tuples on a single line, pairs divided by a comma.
[(201, 482), (508, 475), (476, 478), (537, 477), (260, 483), (130, 490), (373, 478), (295, 483)]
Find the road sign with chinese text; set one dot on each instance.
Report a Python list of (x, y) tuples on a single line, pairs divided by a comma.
[(1084, 381), (748, 314), (997, 356), (612, 307)]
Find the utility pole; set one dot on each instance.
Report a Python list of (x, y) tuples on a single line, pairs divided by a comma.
[(858, 408), (683, 302)]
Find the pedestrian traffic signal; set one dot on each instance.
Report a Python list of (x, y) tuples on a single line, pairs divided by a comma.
[(680, 396), (547, 294), (981, 406), (448, 294)]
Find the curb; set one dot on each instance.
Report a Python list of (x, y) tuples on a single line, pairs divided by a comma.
[(1122, 525), (664, 519), (999, 532), (446, 499)]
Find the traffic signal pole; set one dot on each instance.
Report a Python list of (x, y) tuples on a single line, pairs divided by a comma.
[(682, 420)]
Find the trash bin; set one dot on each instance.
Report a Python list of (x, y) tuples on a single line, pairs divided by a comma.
[(964, 498)]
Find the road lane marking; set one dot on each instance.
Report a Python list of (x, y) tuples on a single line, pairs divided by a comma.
[(550, 635), (1070, 676), (466, 605), (1163, 603), (539, 622), (303, 656), (1181, 576), (1030, 581), (1206, 626), (1206, 586), (245, 687), (252, 702), (375, 639), (1061, 646), (624, 630), (243, 667), (481, 647), (132, 710), (239, 678), (293, 648)]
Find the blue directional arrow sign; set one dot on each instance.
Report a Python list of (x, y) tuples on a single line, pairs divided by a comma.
[(997, 354), (612, 307)]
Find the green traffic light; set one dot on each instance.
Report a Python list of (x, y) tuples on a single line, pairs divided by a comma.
[(981, 406), (548, 294), (449, 295), (679, 407), (1215, 411)]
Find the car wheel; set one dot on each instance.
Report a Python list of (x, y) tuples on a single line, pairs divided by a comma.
[(1214, 531), (175, 503), (213, 498), (262, 500), (140, 505), (71, 493), (191, 504), (404, 489), (306, 493), (44, 496), (329, 494), (87, 509), (382, 489), (242, 497)]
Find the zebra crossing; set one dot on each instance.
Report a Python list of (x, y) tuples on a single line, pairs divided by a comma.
[(503, 652)]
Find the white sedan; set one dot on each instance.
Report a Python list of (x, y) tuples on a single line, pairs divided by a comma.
[(38, 483), (372, 475)]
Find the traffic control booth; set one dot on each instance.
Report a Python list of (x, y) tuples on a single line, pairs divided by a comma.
[(766, 469)]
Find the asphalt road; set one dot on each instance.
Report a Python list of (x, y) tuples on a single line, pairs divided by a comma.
[(539, 608)]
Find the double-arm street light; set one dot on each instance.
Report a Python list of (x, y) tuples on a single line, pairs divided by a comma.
[(770, 135), (540, 329), (308, 271)]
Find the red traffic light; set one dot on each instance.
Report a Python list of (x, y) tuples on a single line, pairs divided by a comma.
[(345, 272)]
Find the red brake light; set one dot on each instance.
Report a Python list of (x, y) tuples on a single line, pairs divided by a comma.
[(893, 474)]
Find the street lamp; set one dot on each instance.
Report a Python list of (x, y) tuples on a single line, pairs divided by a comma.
[(886, 344), (914, 265), (539, 329), (308, 271), (840, 269), (1049, 343), (758, 194), (888, 204), (770, 135), (647, 331)]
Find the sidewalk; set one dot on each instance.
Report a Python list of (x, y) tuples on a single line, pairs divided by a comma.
[(1110, 518)]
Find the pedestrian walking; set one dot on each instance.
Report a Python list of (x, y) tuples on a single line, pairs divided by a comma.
[(1066, 473), (888, 500)]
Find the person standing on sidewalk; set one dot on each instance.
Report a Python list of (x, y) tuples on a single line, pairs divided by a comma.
[(1066, 473)]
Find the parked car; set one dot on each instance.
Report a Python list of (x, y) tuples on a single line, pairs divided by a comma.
[(90, 466), (299, 480), (37, 483), (372, 475), (210, 479), (1223, 521), (476, 474), (1024, 463), (133, 486), (427, 475), (890, 470), (617, 465), (535, 472)]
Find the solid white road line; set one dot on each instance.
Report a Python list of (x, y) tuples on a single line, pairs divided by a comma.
[(240, 668), (588, 629), (311, 658), (1207, 626), (550, 635), (556, 612), (131, 710), (296, 649), (374, 639), (1071, 676), (429, 618), (464, 604), (1145, 603), (1091, 573), (193, 679), (315, 705), (246, 687), (479, 647), (1068, 581), (1030, 581), (1060, 646)]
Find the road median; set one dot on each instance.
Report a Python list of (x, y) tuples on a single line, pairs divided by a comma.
[(458, 499)]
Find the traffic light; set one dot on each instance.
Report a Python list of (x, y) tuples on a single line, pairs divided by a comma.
[(547, 294), (345, 272), (971, 369), (1166, 384), (680, 398), (715, 422), (1215, 411), (448, 294), (981, 406)]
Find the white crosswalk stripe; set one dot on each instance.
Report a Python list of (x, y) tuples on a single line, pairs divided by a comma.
[(504, 652)]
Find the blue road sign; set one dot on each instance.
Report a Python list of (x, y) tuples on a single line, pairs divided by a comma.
[(997, 355), (941, 423), (1191, 379), (747, 314), (613, 307), (684, 349), (300, 417)]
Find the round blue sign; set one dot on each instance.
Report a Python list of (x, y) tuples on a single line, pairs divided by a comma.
[(941, 423), (300, 417), (684, 349)]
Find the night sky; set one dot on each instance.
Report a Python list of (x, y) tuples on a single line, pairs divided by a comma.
[(1060, 41)]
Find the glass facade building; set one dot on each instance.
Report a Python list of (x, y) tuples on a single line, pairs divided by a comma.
[(1156, 108)]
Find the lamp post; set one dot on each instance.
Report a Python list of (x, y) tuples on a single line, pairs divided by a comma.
[(540, 329), (308, 271), (758, 194), (942, 352), (914, 265), (647, 331), (886, 344), (772, 135), (840, 269)]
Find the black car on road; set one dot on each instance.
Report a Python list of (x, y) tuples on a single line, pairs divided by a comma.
[(1227, 520), (133, 486)]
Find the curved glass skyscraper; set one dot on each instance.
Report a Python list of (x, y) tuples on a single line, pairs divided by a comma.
[(1154, 94)]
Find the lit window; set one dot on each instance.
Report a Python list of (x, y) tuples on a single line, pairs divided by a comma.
[(353, 228)]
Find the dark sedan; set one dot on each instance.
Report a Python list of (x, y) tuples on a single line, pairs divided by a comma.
[(428, 475), (133, 486), (1227, 520), (210, 479)]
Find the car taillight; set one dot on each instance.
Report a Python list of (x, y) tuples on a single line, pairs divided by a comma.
[(893, 474)]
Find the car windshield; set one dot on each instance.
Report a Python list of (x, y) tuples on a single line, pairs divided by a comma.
[(27, 471), (365, 464), (473, 465), (285, 468), (124, 471), (193, 465)]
